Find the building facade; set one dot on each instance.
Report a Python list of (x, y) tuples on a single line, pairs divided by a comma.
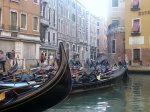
[(19, 27), (101, 37), (137, 34), (48, 27), (67, 25), (116, 31), (91, 36), (81, 31)]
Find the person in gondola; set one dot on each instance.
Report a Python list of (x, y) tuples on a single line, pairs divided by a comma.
[(2, 59), (51, 60), (11, 57)]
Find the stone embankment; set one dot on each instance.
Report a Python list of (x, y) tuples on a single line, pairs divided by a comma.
[(139, 69)]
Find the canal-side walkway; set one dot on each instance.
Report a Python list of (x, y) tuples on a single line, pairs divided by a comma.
[(139, 69)]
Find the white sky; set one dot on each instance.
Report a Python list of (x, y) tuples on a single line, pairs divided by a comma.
[(96, 7)]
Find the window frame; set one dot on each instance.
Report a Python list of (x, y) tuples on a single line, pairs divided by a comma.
[(139, 24), (112, 4), (35, 2), (37, 24), (26, 21), (11, 18), (133, 53), (114, 48)]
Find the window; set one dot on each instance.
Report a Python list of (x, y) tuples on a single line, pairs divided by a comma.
[(13, 24), (136, 25), (135, 3), (67, 13), (49, 14), (97, 23), (54, 18), (23, 21), (53, 37), (73, 17), (36, 1), (73, 5), (136, 54), (35, 23), (48, 36), (44, 11), (61, 9), (114, 3), (98, 31), (97, 41), (113, 46), (79, 8), (74, 47)]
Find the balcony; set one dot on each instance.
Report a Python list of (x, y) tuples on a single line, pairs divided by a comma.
[(116, 27), (80, 40), (14, 28), (44, 22), (135, 8), (18, 1)]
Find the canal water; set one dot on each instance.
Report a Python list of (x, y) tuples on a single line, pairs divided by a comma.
[(130, 95)]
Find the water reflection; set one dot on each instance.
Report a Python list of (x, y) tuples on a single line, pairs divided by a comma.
[(132, 95)]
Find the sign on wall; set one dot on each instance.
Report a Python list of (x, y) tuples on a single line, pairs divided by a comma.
[(136, 40)]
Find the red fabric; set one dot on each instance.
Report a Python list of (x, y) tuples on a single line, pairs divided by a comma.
[(135, 2), (136, 26), (42, 57)]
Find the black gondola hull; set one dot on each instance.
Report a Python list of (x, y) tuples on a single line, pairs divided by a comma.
[(49, 94), (103, 83)]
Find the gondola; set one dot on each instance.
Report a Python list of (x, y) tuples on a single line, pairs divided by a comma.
[(48, 94), (95, 84)]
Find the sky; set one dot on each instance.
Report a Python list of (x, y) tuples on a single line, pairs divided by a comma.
[(96, 7)]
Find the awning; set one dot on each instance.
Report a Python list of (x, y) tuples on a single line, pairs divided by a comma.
[(136, 26), (135, 2)]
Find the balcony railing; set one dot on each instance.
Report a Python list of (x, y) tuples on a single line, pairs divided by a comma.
[(14, 28), (44, 22), (116, 27)]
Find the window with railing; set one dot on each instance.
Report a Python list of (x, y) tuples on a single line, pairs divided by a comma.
[(136, 55), (135, 27), (135, 5), (13, 24)]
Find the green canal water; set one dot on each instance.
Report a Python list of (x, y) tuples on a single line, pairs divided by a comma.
[(131, 95)]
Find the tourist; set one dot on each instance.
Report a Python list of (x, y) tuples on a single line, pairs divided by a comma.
[(51, 60), (42, 59), (2, 59), (11, 57)]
